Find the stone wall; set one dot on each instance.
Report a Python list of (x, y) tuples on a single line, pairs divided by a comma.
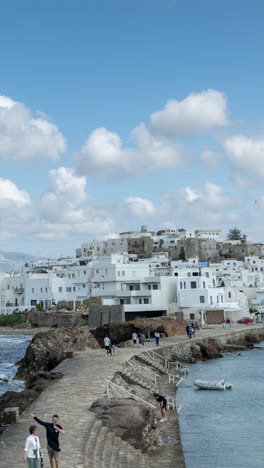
[(183, 351), (100, 315), (55, 319)]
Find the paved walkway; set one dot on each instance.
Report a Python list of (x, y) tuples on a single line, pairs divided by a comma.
[(71, 397)]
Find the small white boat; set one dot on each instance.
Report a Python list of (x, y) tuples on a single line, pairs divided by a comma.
[(205, 385)]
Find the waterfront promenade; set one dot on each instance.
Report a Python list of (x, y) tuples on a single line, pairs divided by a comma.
[(86, 443)]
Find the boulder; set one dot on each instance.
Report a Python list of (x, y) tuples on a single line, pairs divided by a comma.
[(11, 415), (20, 399), (48, 349), (122, 332), (41, 380), (130, 420)]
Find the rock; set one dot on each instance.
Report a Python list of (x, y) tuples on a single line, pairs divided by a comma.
[(48, 349), (210, 350), (20, 399), (122, 332), (130, 420), (11, 415), (41, 380), (4, 379)]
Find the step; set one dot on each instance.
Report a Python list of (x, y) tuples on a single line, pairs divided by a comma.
[(91, 441), (107, 449), (99, 445)]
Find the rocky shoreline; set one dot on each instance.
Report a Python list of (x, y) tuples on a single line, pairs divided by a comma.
[(47, 349)]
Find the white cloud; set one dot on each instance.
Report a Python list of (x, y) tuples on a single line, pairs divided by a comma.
[(246, 155), (104, 155), (10, 192), (65, 211), (205, 206), (24, 136), (140, 207), (197, 113)]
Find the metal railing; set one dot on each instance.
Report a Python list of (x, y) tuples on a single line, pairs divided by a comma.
[(113, 389), (175, 379), (175, 404), (178, 366), (139, 369)]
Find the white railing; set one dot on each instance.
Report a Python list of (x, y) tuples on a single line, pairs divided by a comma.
[(175, 379), (139, 369), (174, 403), (113, 389), (176, 365)]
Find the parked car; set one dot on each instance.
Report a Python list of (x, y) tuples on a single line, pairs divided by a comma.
[(245, 320)]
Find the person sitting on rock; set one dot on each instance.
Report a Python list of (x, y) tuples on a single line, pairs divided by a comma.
[(162, 405), (53, 430)]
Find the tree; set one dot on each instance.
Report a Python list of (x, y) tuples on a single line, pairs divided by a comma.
[(234, 234), (182, 255)]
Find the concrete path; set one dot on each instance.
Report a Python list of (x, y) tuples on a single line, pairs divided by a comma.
[(71, 398)]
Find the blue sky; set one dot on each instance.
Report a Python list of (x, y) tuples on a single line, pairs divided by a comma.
[(89, 145)]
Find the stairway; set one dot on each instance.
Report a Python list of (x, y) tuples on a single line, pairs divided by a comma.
[(132, 377), (154, 363), (104, 449)]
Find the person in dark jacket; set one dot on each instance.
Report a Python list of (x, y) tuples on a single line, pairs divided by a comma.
[(53, 430)]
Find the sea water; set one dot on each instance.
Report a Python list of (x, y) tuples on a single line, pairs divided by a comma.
[(225, 429), (12, 349)]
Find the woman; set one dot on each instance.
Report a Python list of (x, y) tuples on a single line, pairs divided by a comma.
[(32, 447)]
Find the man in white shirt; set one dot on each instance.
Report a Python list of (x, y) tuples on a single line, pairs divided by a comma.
[(32, 448), (134, 338), (107, 343)]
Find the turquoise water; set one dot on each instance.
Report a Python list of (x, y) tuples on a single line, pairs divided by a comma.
[(12, 349), (225, 429)]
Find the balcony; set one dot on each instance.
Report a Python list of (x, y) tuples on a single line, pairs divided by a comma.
[(18, 290)]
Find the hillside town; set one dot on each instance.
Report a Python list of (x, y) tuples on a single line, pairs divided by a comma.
[(190, 275)]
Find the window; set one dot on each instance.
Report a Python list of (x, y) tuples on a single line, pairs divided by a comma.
[(84, 272), (180, 285), (60, 289), (207, 274), (211, 300), (83, 285), (229, 295), (33, 290), (203, 284), (184, 285), (192, 316), (41, 289), (73, 288), (97, 271), (176, 274), (155, 286), (193, 284), (146, 301), (46, 289), (202, 299), (68, 289), (123, 273), (149, 286), (140, 301), (73, 275)]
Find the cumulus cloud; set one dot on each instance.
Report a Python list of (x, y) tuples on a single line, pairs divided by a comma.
[(197, 113), (104, 155), (11, 193), (246, 154), (207, 205), (140, 207), (64, 211), (25, 136)]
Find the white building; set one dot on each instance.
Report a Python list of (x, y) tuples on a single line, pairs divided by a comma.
[(209, 234)]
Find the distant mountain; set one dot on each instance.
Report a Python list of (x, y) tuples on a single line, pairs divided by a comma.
[(11, 261)]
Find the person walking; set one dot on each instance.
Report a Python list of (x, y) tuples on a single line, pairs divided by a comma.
[(187, 329), (190, 332), (53, 430), (107, 344), (157, 337), (32, 448), (193, 325), (162, 405), (134, 338)]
